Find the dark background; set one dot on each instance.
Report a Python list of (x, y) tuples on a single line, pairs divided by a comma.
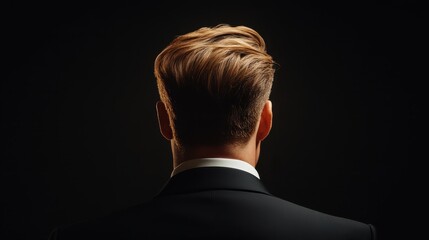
[(79, 130)]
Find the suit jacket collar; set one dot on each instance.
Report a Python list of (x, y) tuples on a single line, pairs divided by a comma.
[(212, 178)]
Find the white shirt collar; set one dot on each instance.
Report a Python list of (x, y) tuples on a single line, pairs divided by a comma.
[(216, 162)]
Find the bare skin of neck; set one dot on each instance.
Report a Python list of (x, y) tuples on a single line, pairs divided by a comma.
[(248, 152)]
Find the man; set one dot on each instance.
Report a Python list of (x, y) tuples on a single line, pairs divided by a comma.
[(214, 109)]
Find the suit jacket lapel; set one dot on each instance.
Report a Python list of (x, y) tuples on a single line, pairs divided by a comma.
[(213, 178)]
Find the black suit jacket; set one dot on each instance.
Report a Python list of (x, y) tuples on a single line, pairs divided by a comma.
[(217, 203)]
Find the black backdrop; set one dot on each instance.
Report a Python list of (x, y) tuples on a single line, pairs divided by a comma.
[(78, 107)]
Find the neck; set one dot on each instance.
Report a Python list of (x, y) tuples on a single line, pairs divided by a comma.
[(248, 152)]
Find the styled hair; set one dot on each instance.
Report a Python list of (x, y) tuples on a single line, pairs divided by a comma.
[(214, 82)]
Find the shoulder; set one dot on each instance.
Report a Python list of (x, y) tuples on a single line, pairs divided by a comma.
[(316, 222)]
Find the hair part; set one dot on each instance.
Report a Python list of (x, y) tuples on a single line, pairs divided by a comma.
[(214, 83)]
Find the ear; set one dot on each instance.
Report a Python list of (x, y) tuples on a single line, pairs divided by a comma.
[(164, 121), (266, 121)]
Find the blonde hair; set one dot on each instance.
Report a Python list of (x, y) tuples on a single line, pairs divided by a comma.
[(214, 83)]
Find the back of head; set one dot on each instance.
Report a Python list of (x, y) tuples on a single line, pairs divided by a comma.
[(214, 83)]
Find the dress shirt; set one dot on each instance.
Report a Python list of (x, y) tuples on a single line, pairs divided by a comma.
[(216, 162)]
